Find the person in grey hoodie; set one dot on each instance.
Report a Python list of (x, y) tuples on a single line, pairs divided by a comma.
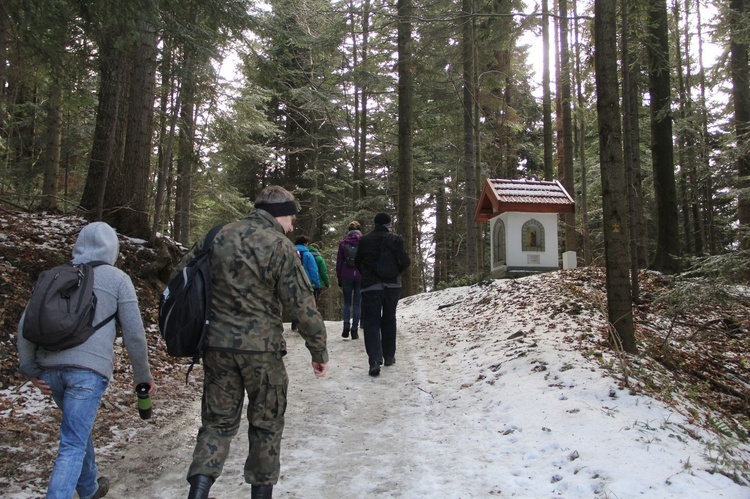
[(76, 378)]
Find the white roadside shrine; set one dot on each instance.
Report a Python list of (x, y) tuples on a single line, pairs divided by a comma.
[(523, 225)]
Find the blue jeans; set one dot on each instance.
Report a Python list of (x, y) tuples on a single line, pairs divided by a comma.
[(78, 393), (379, 323), (352, 301)]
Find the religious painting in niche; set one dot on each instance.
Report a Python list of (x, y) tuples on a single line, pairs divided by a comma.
[(532, 236), (498, 242)]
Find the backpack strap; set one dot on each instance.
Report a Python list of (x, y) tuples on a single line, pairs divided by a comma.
[(98, 263), (208, 244)]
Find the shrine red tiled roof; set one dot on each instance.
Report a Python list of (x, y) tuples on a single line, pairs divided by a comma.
[(539, 196)]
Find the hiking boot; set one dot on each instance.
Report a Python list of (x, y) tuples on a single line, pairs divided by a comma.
[(261, 492), (355, 336), (375, 370), (345, 333), (390, 362), (101, 491), (199, 486)]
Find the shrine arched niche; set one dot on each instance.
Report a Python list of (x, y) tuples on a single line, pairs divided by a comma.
[(532, 236), (498, 246)]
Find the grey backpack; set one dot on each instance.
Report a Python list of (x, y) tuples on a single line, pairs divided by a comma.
[(60, 313)]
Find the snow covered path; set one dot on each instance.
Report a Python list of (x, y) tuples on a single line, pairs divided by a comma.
[(488, 397)]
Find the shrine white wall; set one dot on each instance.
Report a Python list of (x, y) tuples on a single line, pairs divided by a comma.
[(515, 256)]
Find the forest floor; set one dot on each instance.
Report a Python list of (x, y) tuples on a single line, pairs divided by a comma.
[(703, 359)]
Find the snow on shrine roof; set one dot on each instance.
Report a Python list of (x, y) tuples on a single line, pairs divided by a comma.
[(536, 196)]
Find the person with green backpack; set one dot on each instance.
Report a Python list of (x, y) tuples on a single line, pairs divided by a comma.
[(325, 280), (76, 372)]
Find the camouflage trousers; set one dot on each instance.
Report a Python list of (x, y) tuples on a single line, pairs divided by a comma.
[(228, 377)]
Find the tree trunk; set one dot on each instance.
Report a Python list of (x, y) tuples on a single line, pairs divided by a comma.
[(166, 145), (357, 108), (441, 235), (662, 150), (546, 96), (741, 97), (571, 243), (185, 162), (705, 165), (686, 150), (632, 139), (51, 157), (405, 207), (468, 108), (365, 92), (614, 196), (582, 203), (127, 207), (107, 142)]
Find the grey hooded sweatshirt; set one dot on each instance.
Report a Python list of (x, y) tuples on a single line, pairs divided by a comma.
[(114, 291)]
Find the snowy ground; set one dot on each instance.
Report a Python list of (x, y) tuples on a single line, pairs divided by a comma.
[(497, 390)]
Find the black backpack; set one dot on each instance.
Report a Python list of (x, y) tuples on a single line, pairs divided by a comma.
[(350, 253), (60, 312), (386, 268), (185, 306)]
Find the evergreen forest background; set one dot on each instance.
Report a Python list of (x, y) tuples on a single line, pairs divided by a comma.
[(122, 111)]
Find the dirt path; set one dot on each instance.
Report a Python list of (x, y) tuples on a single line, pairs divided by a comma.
[(348, 435)]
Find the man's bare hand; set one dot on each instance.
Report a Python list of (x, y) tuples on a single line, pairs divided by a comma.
[(42, 385), (319, 369)]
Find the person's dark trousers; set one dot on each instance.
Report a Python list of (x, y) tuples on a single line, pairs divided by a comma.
[(352, 302), (379, 323)]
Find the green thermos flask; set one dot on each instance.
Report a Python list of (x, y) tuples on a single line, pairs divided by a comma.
[(144, 400)]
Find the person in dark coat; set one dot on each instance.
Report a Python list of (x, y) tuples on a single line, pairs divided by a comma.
[(350, 280), (381, 259)]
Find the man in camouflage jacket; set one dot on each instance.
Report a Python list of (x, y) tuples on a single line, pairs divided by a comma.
[(256, 275)]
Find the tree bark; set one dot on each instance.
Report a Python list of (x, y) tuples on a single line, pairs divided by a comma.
[(614, 197), (441, 235), (662, 148), (546, 96), (571, 243), (631, 139), (405, 207), (166, 146), (582, 205), (51, 157), (107, 144), (741, 97), (705, 165), (127, 206), (467, 48)]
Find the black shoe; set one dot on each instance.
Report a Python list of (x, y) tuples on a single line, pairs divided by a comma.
[(294, 326), (390, 362), (101, 491), (345, 333), (355, 336), (375, 370), (199, 486), (261, 492)]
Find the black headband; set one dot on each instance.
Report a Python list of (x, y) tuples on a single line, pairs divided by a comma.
[(278, 209)]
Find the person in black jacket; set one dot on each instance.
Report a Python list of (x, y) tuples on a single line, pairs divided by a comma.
[(381, 259)]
